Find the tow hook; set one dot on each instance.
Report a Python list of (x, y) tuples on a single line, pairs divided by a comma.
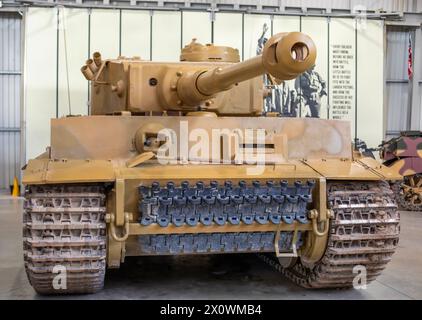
[(110, 219), (314, 217)]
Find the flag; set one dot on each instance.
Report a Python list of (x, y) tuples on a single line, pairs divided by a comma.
[(410, 60)]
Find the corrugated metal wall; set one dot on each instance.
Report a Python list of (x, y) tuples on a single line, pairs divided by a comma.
[(403, 95), (10, 85), (345, 5), (385, 5)]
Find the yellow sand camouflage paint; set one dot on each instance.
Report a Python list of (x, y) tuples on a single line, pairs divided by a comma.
[(177, 159)]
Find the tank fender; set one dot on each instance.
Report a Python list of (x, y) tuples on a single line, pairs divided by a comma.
[(43, 171), (347, 169)]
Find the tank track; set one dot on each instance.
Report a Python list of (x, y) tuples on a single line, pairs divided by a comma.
[(216, 243), (227, 203), (64, 227), (365, 232), (401, 201)]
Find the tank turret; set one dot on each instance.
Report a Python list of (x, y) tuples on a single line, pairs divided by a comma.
[(207, 78)]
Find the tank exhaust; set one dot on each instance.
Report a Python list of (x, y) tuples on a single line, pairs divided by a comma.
[(92, 66), (87, 72)]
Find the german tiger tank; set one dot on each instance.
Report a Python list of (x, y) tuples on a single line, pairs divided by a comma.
[(177, 159)]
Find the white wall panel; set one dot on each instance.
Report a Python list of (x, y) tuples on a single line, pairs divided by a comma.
[(40, 77), (196, 25), (342, 71), (317, 29), (73, 28), (166, 33), (104, 37), (286, 24), (228, 30), (370, 79), (253, 30), (136, 28)]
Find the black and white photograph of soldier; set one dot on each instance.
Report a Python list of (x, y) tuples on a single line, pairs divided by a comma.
[(303, 99), (272, 102), (311, 88)]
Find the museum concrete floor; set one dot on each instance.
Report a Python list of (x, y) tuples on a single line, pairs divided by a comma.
[(212, 277)]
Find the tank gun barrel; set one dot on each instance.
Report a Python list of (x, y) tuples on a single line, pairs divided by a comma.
[(285, 56), (221, 79)]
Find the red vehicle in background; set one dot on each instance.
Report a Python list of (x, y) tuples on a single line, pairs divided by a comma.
[(404, 154)]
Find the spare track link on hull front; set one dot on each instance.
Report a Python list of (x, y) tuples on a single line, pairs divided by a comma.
[(207, 203), (365, 232), (188, 204), (228, 242), (64, 234)]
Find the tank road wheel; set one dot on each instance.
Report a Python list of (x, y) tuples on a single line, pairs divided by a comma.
[(409, 193), (64, 238), (364, 233)]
